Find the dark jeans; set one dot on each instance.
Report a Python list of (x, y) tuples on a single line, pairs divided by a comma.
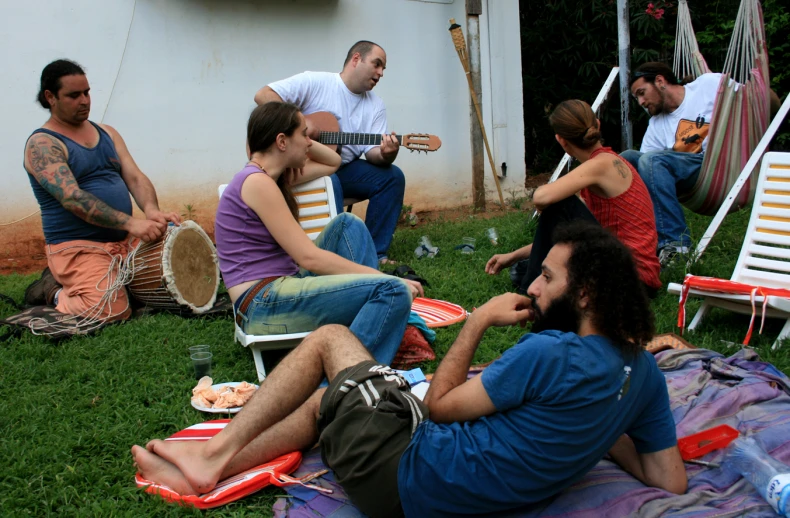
[(569, 209), (667, 173), (383, 186)]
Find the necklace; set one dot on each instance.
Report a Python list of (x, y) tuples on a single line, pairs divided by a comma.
[(256, 164)]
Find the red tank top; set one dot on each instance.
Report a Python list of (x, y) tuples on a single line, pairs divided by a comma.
[(630, 216)]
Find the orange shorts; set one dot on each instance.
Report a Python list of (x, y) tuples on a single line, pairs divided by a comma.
[(83, 268)]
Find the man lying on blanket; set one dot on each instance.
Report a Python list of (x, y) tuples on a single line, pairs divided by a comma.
[(530, 425)]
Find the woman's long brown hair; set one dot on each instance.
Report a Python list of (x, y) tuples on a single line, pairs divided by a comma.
[(266, 122)]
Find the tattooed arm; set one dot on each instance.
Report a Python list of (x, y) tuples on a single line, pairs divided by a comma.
[(606, 175), (584, 175), (46, 160), (138, 183)]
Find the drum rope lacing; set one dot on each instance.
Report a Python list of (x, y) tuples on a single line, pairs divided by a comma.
[(91, 319)]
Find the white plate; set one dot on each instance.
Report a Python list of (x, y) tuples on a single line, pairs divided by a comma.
[(231, 410)]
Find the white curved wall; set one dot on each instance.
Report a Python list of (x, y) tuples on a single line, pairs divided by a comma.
[(177, 78)]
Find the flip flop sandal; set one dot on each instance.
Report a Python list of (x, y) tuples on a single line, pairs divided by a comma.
[(405, 271)]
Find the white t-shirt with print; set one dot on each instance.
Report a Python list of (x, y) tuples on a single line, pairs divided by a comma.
[(326, 92), (686, 129)]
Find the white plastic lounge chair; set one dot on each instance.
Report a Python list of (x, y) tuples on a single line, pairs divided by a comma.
[(316, 201), (764, 260)]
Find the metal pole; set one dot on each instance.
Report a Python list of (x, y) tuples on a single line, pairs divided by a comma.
[(474, 9), (624, 41)]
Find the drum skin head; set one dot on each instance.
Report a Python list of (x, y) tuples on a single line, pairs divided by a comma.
[(193, 263), (180, 270)]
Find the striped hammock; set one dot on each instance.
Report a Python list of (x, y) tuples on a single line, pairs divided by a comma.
[(742, 104)]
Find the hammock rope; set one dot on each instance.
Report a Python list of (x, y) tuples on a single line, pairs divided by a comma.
[(742, 104), (688, 59)]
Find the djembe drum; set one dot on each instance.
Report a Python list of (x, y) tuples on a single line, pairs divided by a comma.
[(178, 271)]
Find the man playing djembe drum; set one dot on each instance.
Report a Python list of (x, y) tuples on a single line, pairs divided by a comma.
[(82, 174)]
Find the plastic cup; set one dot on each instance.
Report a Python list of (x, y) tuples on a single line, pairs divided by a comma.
[(202, 363), (425, 249), (198, 349), (493, 236), (468, 245)]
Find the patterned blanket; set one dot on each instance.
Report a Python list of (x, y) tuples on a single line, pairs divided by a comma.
[(706, 389)]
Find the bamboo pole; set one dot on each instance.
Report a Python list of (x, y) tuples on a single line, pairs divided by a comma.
[(460, 47)]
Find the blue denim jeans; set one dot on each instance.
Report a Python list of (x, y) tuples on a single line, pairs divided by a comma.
[(375, 307), (667, 173), (563, 211), (383, 186)]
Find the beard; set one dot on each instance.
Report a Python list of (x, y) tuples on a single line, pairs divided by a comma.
[(562, 315), (657, 108)]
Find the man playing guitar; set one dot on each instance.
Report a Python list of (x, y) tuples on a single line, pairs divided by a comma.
[(349, 98)]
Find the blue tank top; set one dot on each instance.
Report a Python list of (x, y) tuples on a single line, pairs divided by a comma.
[(97, 171)]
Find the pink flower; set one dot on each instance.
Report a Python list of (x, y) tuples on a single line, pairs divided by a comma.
[(650, 6)]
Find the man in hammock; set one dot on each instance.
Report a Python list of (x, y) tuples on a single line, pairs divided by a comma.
[(533, 423), (349, 97), (82, 174), (673, 147)]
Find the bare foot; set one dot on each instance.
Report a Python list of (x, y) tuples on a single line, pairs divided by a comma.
[(156, 469), (201, 472)]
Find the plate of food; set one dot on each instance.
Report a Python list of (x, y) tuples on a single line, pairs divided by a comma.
[(221, 398)]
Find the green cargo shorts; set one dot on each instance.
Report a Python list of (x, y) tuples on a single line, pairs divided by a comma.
[(367, 418)]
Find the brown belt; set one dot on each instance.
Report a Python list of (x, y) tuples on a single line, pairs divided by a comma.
[(247, 300)]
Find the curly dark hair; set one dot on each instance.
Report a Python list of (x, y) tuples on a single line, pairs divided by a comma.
[(604, 268)]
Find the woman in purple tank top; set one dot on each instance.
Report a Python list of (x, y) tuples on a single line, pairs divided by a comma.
[(279, 280)]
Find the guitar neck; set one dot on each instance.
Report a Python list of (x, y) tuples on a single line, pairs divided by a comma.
[(352, 139)]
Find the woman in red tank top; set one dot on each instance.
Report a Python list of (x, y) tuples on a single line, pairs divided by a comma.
[(611, 189)]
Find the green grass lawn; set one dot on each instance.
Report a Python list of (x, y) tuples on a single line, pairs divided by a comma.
[(72, 410)]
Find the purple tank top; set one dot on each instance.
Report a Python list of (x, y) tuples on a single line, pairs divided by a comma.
[(246, 249)]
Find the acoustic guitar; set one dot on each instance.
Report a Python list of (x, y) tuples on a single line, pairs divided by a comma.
[(326, 129)]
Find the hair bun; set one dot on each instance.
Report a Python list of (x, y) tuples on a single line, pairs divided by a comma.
[(592, 134)]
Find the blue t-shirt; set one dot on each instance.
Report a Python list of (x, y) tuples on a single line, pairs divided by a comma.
[(562, 402), (97, 171)]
